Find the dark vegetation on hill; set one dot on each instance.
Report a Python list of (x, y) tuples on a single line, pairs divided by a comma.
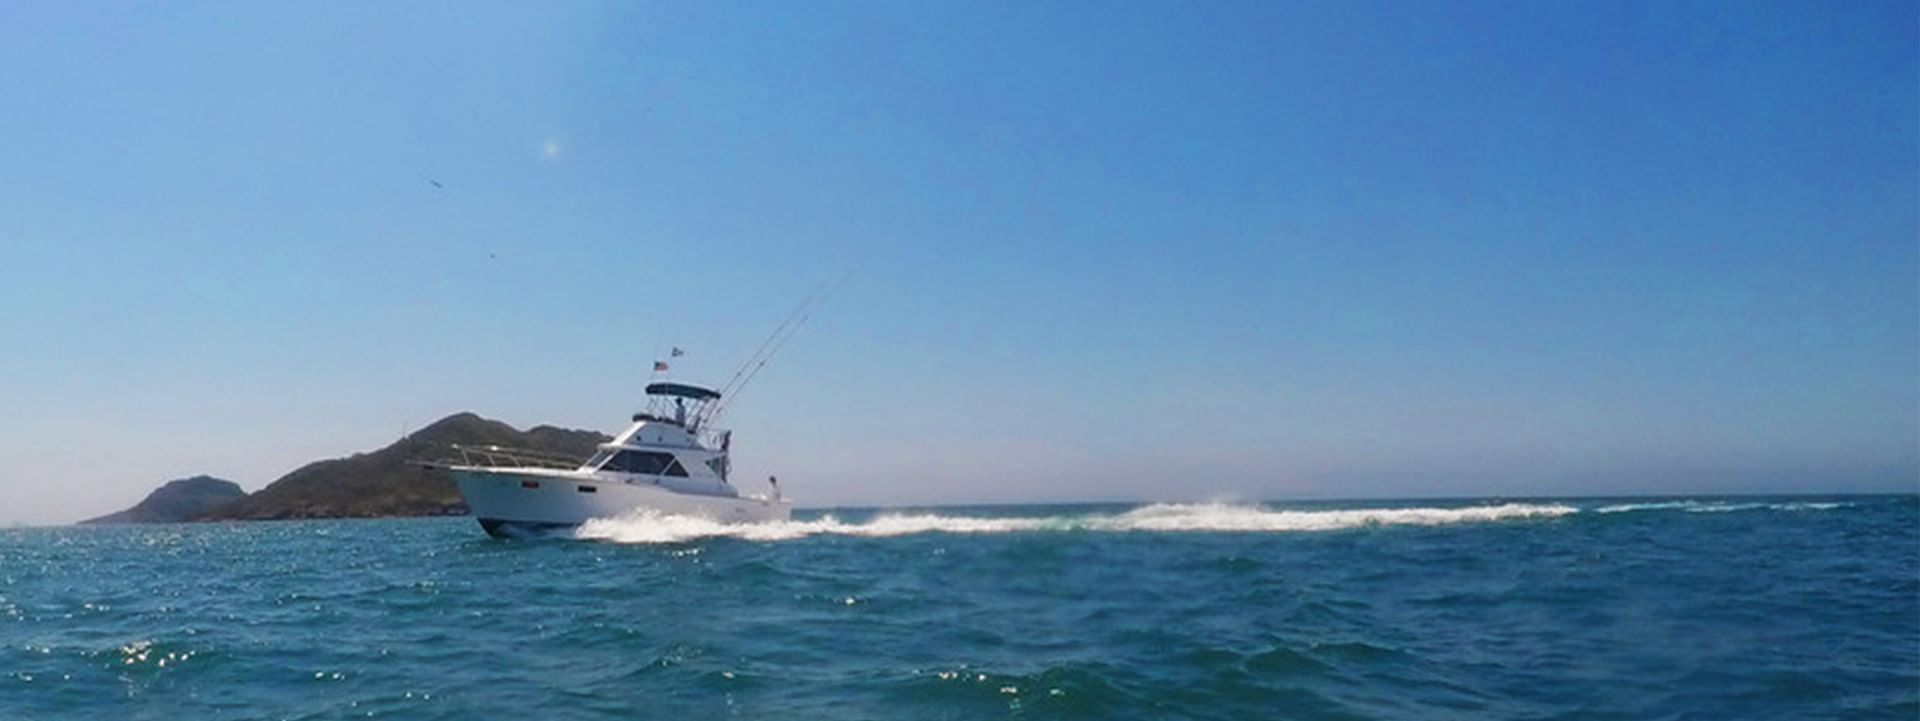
[(177, 501), (387, 482), (391, 481)]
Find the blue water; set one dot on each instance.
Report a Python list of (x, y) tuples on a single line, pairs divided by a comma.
[(1746, 608)]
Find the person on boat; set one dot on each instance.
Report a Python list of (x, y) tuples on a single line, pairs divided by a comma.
[(775, 482)]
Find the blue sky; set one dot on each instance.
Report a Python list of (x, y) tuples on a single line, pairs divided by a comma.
[(1097, 251)]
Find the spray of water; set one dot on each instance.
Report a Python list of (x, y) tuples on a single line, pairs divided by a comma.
[(650, 527)]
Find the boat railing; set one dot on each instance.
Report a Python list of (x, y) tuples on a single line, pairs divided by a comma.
[(505, 457)]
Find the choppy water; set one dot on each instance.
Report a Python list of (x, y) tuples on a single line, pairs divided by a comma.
[(1746, 608)]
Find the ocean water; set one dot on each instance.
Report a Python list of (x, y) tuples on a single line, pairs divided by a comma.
[(1730, 608)]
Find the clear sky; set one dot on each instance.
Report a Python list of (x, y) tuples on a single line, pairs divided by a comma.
[(1098, 250)]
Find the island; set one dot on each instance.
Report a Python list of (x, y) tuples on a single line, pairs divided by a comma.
[(179, 500), (391, 481)]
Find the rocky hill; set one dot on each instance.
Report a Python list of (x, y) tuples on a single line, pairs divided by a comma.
[(178, 501), (390, 481)]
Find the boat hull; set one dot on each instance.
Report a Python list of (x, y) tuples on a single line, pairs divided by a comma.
[(510, 502)]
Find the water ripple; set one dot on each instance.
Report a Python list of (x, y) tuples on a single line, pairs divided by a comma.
[(1640, 608)]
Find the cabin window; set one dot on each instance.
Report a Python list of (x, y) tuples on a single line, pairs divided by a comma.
[(647, 462), (674, 469), (529, 484), (588, 489)]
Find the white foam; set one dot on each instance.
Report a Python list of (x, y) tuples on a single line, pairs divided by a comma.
[(1661, 506), (1808, 506), (648, 527), (1726, 507), (1719, 506)]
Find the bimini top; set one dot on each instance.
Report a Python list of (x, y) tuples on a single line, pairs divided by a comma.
[(681, 390)]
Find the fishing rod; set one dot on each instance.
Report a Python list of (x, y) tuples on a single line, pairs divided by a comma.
[(772, 345), (727, 389)]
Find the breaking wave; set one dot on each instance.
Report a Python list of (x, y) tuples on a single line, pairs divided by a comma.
[(1718, 506), (651, 527)]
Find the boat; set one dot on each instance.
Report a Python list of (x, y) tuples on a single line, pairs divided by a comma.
[(669, 461)]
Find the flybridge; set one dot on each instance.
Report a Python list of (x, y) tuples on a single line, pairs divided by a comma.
[(681, 390), (682, 404)]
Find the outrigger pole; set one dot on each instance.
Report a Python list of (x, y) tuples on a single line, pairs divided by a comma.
[(772, 345)]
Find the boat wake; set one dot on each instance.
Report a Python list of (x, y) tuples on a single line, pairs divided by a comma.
[(1719, 506), (652, 527)]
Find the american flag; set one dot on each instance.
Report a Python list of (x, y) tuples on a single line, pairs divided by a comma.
[(659, 366)]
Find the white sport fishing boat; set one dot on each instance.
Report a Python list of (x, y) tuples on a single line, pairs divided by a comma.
[(668, 462)]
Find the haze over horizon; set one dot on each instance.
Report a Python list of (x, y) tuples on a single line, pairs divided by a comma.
[(1240, 250)]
